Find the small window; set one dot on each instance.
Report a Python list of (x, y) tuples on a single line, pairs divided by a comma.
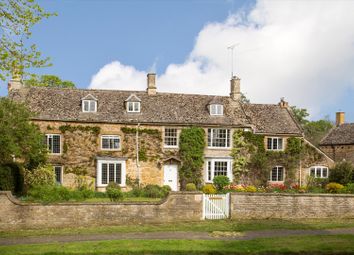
[(110, 142), (216, 109), (111, 171), (275, 143), (58, 171), (216, 167), (277, 174), (319, 172), (218, 138), (171, 138), (53, 143), (89, 106), (133, 106)]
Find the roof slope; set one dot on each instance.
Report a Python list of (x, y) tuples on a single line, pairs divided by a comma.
[(162, 108), (340, 135)]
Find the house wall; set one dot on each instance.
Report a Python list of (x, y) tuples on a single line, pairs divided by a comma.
[(177, 207), (340, 152)]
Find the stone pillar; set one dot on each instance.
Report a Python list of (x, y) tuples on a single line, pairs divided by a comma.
[(151, 84)]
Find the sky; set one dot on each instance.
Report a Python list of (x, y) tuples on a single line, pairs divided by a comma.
[(300, 50)]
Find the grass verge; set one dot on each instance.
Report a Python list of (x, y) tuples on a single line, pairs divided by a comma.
[(201, 226), (339, 244)]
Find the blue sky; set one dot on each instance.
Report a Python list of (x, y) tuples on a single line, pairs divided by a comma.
[(186, 39)]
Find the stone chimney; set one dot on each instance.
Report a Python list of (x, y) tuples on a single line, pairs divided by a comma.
[(235, 93), (15, 82), (283, 103), (151, 84), (340, 118)]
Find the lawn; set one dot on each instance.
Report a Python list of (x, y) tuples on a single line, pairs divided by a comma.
[(201, 226), (339, 244)]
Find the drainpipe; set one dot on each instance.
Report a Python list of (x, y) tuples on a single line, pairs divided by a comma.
[(300, 181), (137, 153)]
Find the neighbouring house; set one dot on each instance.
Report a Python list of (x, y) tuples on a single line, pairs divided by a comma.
[(113, 135), (339, 142)]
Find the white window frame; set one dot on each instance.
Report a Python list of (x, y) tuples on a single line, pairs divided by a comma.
[(211, 162), (277, 168), (61, 173), (227, 139), (273, 138), (315, 168), (216, 109), (99, 172), (164, 138), (47, 137), (134, 105), (89, 105), (110, 137)]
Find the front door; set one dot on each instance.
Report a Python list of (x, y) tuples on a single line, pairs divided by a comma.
[(170, 176)]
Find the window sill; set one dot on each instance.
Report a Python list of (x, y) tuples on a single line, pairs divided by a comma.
[(219, 148), (111, 149)]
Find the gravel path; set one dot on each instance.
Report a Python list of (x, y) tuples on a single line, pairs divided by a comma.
[(180, 235)]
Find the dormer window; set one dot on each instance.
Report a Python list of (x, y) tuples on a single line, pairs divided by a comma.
[(133, 106), (89, 103), (216, 109), (132, 103)]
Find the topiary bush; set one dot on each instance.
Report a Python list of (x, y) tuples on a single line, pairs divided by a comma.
[(209, 189), (342, 173), (114, 192), (220, 182), (191, 187), (11, 178), (333, 187)]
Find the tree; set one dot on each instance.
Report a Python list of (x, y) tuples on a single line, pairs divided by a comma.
[(19, 138), (49, 81), (300, 115), (17, 17)]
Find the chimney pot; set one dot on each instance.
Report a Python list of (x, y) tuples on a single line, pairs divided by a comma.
[(235, 92), (283, 103), (151, 84), (340, 118)]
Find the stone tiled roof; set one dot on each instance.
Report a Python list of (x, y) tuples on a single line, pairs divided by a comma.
[(340, 135), (162, 108)]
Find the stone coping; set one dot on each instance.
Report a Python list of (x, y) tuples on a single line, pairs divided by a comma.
[(15, 201), (292, 194)]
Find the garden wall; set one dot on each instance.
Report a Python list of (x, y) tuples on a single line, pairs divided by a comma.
[(291, 206), (177, 207)]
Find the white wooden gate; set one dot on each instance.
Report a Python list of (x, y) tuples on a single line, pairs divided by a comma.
[(216, 206)]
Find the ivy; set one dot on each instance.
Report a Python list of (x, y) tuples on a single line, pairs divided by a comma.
[(154, 132), (68, 128), (191, 150)]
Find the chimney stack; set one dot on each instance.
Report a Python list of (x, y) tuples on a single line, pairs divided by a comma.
[(340, 118), (15, 82), (235, 93), (283, 103), (151, 84)]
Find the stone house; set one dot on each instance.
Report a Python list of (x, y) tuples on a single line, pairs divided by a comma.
[(110, 135), (339, 142)]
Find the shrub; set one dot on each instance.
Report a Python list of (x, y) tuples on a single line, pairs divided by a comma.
[(48, 193), (11, 178), (114, 192), (251, 188), (166, 189), (333, 187), (220, 182), (154, 191), (349, 188), (342, 173), (276, 188), (43, 175), (209, 189), (191, 187)]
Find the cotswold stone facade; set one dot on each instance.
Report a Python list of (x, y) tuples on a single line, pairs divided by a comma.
[(99, 136), (339, 142)]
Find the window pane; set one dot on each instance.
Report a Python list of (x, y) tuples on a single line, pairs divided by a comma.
[(111, 173), (86, 106), (269, 143), (209, 171), (274, 175), (280, 143), (209, 137), (280, 173), (119, 173), (318, 172), (116, 143), (92, 106), (325, 172), (275, 143), (312, 172), (171, 137), (57, 171), (136, 106), (105, 143), (50, 143), (104, 174), (130, 106), (56, 143), (220, 168), (219, 137)]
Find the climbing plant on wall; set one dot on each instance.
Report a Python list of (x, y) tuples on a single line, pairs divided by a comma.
[(252, 162), (191, 150)]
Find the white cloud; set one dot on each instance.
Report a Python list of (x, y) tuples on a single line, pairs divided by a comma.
[(303, 50)]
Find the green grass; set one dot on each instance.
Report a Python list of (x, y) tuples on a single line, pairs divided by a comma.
[(201, 226), (339, 244)]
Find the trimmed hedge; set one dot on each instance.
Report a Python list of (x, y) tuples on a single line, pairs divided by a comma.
[(11, 178)]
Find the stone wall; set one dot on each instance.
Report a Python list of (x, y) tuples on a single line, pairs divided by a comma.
[(178, 207), (291, 206), (340, 152)]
